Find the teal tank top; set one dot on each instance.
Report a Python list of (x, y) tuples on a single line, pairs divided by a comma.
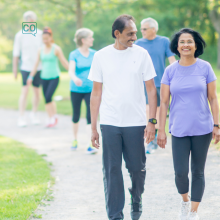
[(50, 65)]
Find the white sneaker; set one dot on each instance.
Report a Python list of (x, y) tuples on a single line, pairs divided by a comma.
[(21, 122), (34, 118), (193, 216), (185, 209)]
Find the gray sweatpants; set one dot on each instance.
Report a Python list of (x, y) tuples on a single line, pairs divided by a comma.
[(129, 142)]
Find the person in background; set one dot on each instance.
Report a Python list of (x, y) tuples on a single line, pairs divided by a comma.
[(80, 61), (25, 49), (158, 48), (49, 55), (192, 84)]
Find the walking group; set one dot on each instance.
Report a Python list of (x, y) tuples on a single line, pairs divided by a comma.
[(128, 85)]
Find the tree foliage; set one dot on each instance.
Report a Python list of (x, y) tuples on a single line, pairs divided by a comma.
[(64, 18)]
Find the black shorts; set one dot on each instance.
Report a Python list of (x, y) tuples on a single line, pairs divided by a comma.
[(36, 81), (158, 96)]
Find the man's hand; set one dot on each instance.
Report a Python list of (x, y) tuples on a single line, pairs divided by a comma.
[(161, 138), (149, 132), (15, 74), (29, 81), (95, 139)]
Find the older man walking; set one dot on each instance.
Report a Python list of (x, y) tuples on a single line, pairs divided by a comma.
[(118, 72), (25, 49), (158, 48)]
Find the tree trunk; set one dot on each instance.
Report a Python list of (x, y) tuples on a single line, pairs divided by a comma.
[(215, 19), (79, 15)]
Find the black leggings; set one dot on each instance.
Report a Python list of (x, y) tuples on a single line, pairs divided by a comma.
[(49, 87), (198, 147), (76, 100)]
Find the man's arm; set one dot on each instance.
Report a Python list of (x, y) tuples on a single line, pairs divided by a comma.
[(152, 99), (95, 102), (171, 59)]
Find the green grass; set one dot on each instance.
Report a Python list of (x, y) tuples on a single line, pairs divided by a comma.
[(24, 177), (10, 90)]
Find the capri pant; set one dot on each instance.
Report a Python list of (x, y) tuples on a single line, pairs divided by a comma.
[(76, 100), (49, 87), (198, 147)]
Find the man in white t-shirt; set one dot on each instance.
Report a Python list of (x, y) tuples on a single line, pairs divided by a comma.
[(25, 50), (118, 72)]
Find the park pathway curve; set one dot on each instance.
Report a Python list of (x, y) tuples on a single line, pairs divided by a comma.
[(78, 191)]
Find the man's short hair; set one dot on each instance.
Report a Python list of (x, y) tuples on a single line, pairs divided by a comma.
[(120, 23), (199, 41), (29, 15), (152, 22)]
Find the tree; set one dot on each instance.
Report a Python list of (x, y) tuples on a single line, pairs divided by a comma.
[(215, 18)]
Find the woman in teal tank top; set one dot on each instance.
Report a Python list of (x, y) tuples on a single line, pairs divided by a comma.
[(49, 55)]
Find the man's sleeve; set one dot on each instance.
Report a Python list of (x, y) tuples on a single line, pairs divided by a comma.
[(148, 71), (167, 48), (95, 73), (17, 46)]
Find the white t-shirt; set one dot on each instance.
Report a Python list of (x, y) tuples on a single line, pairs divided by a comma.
[(122, 73), (26, 47)]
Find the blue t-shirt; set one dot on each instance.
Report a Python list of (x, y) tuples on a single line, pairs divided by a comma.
[(158, 49), (83, 65)]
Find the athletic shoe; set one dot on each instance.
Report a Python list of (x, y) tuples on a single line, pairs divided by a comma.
[(53, 122), (136, 209), (91, 150), (74, 145), (34, 119), (185, 209), (21, 122), (149, 148), (193, 216), (155, 143)]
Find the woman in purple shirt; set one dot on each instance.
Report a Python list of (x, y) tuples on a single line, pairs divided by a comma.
[(192, 83)]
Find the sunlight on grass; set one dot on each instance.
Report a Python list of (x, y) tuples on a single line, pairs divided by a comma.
[(24, 177)]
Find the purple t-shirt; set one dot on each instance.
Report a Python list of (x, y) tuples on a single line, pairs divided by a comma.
[(189, 110)]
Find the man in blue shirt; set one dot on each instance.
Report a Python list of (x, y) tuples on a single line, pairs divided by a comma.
[(158, 48)]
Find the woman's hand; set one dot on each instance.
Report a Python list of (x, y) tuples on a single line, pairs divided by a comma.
[(161, 138), (77, 81), (216, 135)]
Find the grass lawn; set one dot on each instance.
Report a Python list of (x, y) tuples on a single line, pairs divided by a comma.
[(24, 177), (10, 90)]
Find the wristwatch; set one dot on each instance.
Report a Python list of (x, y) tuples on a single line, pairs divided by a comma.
[(216, 125), (153, 121)]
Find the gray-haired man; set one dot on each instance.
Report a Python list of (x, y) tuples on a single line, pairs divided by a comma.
[(25, 49)]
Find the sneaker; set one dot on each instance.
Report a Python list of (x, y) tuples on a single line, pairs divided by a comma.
[(53, 122), (185, 209), (155, 143), (34, 119), (21, 122), (193, 216), (74, 145), (91, 150), (149, 148), (136, 209)]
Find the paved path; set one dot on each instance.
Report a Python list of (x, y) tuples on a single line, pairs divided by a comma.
[(78, 191)]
